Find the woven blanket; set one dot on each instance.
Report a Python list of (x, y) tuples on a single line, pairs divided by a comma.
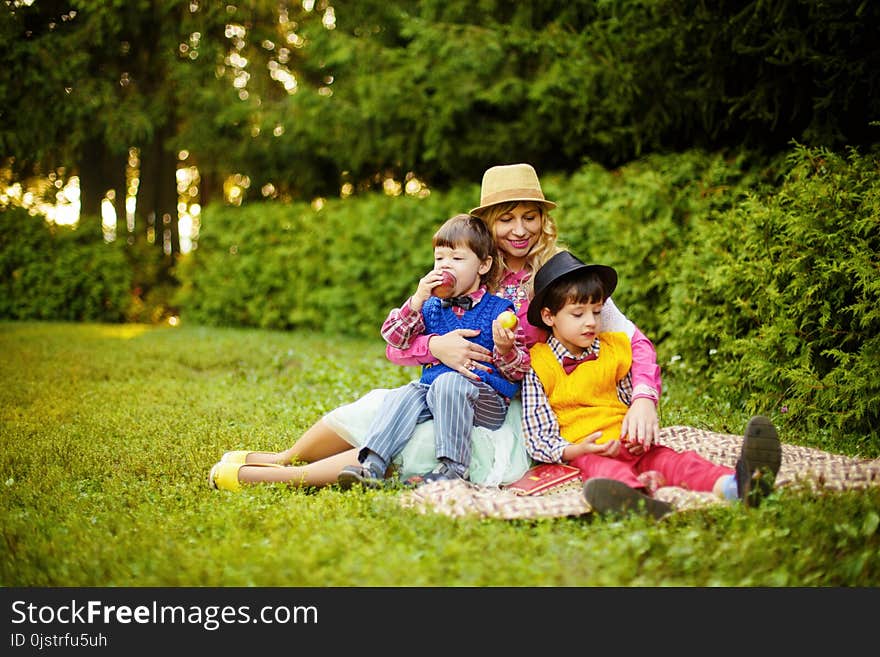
[(800, 465)]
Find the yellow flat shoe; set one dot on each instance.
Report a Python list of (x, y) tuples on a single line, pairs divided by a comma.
[(238, 456), (224, 475)]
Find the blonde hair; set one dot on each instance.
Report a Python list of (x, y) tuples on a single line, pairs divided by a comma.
[(544, 249)]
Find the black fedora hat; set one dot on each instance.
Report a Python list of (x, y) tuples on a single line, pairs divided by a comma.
[(564, 264)]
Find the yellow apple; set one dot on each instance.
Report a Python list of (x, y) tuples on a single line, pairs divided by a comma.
[(508, 319)]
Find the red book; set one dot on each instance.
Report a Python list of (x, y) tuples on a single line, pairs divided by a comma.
[(541, 477)]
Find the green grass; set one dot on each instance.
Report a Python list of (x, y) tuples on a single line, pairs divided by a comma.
[(108, 432)]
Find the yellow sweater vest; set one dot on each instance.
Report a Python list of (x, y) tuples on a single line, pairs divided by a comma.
[(585, 401)]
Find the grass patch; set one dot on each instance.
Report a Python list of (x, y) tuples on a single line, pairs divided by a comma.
[(108, 432)]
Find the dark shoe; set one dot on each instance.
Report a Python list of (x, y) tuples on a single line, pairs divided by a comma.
[(612, 496), (443, 472), (758, 462), (359, 474)]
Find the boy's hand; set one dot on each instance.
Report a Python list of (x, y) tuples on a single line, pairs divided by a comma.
[(588, 446), (640, 426), (503, 338), (423, 292)]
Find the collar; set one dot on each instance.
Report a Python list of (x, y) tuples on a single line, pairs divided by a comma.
[(476, 295), (515, 277), (559, 349)]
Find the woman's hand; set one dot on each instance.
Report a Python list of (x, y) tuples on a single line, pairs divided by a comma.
[(457, 352), (640, 426)]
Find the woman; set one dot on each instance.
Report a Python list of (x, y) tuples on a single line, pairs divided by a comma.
[(514, 208)]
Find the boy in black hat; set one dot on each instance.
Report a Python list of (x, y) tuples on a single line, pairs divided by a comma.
[(576, 395)]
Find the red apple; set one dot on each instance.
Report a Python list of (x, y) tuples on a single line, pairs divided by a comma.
[(446, 287), (508, 319)]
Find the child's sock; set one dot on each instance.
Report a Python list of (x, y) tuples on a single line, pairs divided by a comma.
[(376, 464), (729, 488)]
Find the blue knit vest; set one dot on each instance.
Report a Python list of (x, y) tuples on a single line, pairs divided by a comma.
[(440, 321)]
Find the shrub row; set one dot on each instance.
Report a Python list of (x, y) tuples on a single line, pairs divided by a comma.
[(338, 269), (60, 273), (757, 281)]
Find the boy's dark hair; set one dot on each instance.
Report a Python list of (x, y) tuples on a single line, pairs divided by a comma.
[(471, 232), (578, 287)]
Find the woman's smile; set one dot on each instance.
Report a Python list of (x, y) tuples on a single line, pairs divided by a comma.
[(519, 244)]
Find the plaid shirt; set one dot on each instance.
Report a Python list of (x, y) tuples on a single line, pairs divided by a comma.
[(540, 427), (404, 324)]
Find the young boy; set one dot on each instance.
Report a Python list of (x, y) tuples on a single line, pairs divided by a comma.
[(464, 247), (578, 391)]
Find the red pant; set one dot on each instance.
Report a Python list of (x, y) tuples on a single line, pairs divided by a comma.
[(683, 469)]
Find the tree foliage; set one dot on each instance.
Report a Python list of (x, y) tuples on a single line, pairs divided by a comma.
[(302, 98)]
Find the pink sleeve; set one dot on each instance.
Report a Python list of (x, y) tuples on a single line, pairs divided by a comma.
[(645, 370), (534, 335), (402, 325), (416, 354)]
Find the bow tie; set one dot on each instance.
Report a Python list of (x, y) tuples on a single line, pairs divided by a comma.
[(463, 301), (568, 363)]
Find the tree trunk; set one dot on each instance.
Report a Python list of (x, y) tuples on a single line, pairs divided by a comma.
[(99, 171), (210, 187), (157, 194)]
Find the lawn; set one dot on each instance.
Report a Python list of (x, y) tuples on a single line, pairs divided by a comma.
[(108, 432)]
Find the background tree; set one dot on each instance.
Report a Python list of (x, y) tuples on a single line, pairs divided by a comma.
[(36, 121), (95, 87), (303, 97)]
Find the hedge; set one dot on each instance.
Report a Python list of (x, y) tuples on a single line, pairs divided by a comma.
[(759, 282)]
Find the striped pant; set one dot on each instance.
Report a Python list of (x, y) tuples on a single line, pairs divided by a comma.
[(455, 403)]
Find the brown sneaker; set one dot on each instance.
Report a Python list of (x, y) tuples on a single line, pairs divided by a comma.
[(759, 461), (611, 496)]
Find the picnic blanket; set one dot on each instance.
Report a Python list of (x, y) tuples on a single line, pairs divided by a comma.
[(800, 465)]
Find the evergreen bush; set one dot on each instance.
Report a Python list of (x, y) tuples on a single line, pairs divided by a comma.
[(639, 219), (777, 299), (337, 269), (52, 272)]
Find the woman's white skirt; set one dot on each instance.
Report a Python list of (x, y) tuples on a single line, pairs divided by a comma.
[(497, 457)]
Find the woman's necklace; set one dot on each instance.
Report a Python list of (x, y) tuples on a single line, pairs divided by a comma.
[(513, 288)]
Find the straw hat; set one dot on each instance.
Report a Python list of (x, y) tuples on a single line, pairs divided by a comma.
[(562, 265), (510, 182)]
